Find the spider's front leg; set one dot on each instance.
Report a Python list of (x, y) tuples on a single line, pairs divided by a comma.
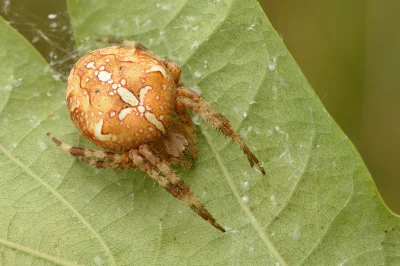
[(192, 100), (146, 160)]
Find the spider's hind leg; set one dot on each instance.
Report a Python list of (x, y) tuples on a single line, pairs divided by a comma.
[(147, 160), (127, 43), (110, 159), (105, 164)]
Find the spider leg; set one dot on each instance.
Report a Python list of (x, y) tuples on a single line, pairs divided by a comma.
[(193, 101), (170, 181), (79, 152), (131, 44), (103, 164), (186, 120), (182, 162)]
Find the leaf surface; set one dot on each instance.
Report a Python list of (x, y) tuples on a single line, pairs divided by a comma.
[(317, 204)]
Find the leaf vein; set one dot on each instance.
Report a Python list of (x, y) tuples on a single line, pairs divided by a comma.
[(63, 200)]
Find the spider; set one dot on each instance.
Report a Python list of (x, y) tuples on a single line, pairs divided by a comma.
[(129, 101)]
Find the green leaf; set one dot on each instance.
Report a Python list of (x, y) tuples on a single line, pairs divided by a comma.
[(317, 204)]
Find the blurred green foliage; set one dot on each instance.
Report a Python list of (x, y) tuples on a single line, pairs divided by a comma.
[(348, 50)]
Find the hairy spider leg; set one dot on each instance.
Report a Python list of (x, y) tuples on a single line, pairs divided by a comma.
[(193, 101), (175, 185), (187, 122), (131, 44), (79, 152), (103, 164)]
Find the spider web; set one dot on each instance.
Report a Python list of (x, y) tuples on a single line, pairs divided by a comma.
[(45, 24)]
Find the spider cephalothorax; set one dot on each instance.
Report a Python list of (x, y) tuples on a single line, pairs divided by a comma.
[(129, 101)]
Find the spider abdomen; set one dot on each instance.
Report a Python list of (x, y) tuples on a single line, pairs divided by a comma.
[(120, 98)]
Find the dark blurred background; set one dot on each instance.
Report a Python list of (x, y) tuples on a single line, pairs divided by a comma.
[(348, 50)]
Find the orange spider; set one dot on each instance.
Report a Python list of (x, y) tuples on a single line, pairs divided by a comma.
[(129, 101)]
